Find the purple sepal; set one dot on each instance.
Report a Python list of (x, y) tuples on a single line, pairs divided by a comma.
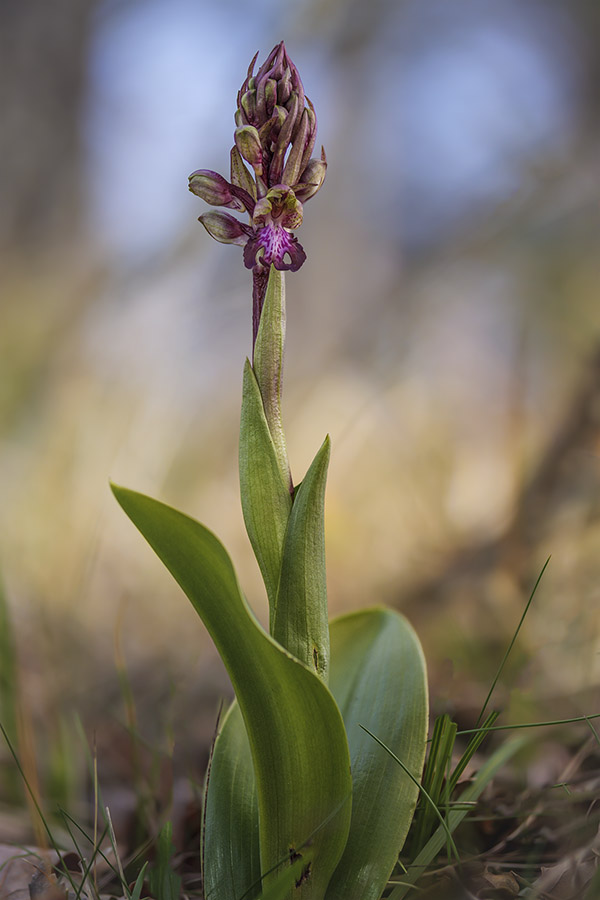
[(212, 188), (225, 228)]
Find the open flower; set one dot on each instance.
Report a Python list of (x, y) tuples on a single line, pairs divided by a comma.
[(271, 241), (272, 172)]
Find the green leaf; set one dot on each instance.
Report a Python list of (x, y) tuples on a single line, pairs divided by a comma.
[(300, 622), (379, 681), (286, 881), (295, 730), (266, 499), (230, 848), (268, 363)]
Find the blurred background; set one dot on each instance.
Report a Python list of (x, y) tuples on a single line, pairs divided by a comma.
[(444, 331)]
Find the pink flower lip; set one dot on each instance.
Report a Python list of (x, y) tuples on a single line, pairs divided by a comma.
[(274, 245)]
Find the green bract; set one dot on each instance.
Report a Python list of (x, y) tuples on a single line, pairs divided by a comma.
[(301, 803)]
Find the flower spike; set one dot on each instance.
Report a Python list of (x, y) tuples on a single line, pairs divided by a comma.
[(272, 172)]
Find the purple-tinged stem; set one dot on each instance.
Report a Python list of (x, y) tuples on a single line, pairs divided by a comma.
[(260, 278)]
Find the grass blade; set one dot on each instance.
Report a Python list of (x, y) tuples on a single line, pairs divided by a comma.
[(436, 771), (164, 881), (136, 892), (511, 645), (455, 816), (437, 813), (471, 749)]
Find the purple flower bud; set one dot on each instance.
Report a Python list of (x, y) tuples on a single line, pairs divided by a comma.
[(250, 70), (225, 228), (248, 143), (240, 175), (266, 98), (248, 105), (283, 141), (294, 161), (212, 188), (287, 141), (284, 87), (269, 132), (273, 63), (312, 178), (311, 137)]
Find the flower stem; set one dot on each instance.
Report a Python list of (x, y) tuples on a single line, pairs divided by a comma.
[(260, 279), (268, 360)]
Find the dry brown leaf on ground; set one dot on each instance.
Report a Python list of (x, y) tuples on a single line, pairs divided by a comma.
[(44, 886), (504, 883), (569, 878), (29, 873), (18, 869)]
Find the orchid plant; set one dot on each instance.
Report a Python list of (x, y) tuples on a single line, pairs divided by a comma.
[(300, 800)]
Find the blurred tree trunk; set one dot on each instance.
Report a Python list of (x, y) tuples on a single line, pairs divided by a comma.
[(43, 73)]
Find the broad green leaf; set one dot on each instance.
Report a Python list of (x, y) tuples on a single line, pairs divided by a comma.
[(379, 681), (266, 499), (230, 850), (300, 622), (455, 816), (286, 881), (268, 364), (294, 727)]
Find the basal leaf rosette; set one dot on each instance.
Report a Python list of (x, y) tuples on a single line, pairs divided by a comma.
[(295, 731)]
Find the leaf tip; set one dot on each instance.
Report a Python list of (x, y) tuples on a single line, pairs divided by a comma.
[(115, 488), (121, 494)]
